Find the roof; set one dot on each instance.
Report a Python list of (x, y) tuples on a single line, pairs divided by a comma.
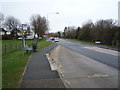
[(2, 29)]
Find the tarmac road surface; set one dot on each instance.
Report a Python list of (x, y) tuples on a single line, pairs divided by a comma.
[(86, 66)]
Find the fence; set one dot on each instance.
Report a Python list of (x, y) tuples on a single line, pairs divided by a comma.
[(8, 48), (15, 45), (11, 48)]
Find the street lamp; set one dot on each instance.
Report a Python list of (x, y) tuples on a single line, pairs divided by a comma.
[(51, 13)]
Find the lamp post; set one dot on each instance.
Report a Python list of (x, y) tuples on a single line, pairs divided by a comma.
[(51, 13)]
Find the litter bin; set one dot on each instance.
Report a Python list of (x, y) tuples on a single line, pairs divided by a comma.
[(34, 46)]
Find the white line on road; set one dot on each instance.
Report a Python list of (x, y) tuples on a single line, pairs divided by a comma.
[(98, 75), (111, 52), (107, 51)]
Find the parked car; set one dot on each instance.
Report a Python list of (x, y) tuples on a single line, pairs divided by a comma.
[(40, 38), (19, 38), (97, 42), (30, 37)]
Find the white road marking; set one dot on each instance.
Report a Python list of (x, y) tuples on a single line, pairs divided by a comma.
[(111, 52), (71, 42), (67, 82), (97, 75)]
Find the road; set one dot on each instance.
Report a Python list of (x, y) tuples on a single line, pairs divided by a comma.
[(108, 57), (86, 66)]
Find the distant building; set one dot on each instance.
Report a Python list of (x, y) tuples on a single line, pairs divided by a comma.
[(2, 31), (119, 13)]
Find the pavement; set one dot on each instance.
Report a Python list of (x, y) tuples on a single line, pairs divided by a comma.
[(79, 71), (38, 73)]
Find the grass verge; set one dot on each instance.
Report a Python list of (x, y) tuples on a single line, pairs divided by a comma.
[(43, 43), (13, 65)]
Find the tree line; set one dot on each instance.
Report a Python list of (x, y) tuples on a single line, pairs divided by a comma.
[(38, 24), (105, 31)]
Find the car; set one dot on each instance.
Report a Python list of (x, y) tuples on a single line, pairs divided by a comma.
[(30, 37), (19, 38), (52, 38), (40, 38), (97, 42), (56, 40)]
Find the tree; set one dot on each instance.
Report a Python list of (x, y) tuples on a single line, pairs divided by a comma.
[(77, 33), (86, 31), (105, 30), (12, 23), (59, 34), (70, 32), (65, 29), (39, 24)]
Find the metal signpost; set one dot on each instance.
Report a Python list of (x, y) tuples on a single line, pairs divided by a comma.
[(23, 38)]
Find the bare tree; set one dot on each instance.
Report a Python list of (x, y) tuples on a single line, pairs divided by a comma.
[(12, 23), (40, 25)]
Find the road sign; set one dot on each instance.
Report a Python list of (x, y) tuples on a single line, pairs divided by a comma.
[(22, 31)]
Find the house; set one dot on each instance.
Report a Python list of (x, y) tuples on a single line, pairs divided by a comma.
[(2, 31)]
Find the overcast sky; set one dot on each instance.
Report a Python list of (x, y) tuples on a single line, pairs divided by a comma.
[(71, 12)]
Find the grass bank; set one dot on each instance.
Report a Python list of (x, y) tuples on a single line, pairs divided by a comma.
[(13, 65)]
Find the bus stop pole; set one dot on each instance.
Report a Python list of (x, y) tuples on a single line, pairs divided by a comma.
[(23, 43)]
